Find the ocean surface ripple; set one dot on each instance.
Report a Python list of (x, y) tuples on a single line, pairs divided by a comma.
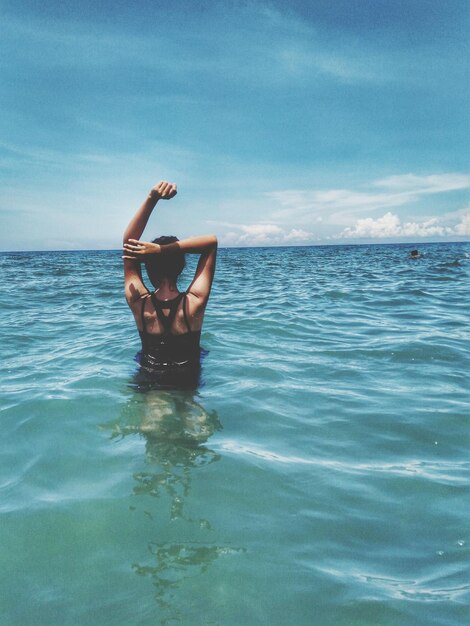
[(318, 476)]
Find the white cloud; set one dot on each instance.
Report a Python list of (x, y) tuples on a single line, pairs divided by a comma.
[(390, 226), (304, 60), (297, 234), (339, 206), (435, 183), (311, 216), (263, 234), (386, 226), (463, 227)]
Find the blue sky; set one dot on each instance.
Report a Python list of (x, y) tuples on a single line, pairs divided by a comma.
[(283, 123)]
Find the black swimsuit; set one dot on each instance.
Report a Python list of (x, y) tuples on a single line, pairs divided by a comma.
[(167, 355)]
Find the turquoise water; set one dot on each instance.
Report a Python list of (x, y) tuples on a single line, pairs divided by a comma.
[(319, 476)]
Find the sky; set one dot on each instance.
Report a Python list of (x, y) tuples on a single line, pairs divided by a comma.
[(282, 123)]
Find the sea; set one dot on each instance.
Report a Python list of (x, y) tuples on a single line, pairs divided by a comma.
[(318, 476)]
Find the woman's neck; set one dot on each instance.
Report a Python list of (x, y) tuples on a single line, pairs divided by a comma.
[(166, 289)]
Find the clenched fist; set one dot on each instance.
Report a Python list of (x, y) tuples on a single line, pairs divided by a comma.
[(163, 191)]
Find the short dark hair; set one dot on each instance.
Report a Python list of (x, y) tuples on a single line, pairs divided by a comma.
[(169, 265)]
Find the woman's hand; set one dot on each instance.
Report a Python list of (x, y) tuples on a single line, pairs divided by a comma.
[(135, 250), (163, 191)]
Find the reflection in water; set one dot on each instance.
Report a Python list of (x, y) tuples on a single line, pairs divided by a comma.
[(175, 427), (174, 564)]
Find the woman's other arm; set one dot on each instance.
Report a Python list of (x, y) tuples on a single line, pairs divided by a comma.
[(200, 287)]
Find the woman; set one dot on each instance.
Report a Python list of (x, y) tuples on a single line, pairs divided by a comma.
[(169, 321)]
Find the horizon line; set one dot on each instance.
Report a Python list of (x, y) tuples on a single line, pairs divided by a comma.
[(307, 245)]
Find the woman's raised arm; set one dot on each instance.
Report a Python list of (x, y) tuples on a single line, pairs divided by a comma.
[(133, 284), (162, 191)]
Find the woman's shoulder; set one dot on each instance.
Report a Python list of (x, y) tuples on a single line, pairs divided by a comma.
[(139, 300)]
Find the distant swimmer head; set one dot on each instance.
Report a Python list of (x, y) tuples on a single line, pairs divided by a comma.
[(161, 266), (414, 254)]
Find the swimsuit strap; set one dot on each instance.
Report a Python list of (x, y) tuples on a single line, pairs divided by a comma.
[(166, 320), (184, 311), (142, 317)]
